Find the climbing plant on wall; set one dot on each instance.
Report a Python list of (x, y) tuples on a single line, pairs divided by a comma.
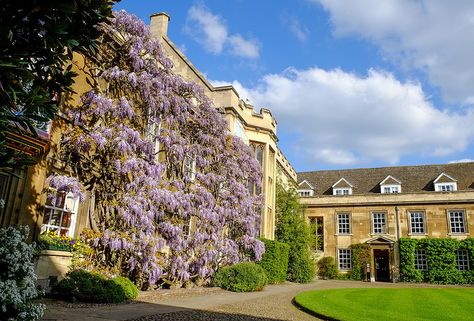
[(160, 166), (441, 265)]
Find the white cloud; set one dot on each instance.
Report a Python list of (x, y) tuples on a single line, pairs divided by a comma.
[(211, 31), (300, 31), (435, 36), (464, 160), (342, 118), (243, 48), (207, 28)]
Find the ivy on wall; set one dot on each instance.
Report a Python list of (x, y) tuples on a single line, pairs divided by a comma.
[(440, 259), (360, 257)]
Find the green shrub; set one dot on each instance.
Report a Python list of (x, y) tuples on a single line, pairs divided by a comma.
[(301, 266), (293, 229), (130, 290), (327, 268), (94, 287), (241, 277), (275, 261)]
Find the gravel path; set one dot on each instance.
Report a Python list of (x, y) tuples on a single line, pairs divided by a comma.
[(210, 304)]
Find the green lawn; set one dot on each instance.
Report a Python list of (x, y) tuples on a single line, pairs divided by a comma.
[(391, 304)]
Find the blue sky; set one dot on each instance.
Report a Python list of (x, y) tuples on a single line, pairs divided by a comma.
[(363, 83)]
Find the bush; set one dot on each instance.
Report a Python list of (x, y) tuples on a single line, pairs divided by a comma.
[(17, 276), (241, 277), (130, 290), (292, 229), (94, 287), (327, 268), (275, 261), (301, 266)]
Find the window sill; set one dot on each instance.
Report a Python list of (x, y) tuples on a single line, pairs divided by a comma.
[(458, 234), (417, 234), (343, 234)]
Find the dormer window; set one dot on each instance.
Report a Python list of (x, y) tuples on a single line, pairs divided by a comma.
[(305, 189), (305, 193), (445, 183), (390, 185), (342, 191), (342, 187)]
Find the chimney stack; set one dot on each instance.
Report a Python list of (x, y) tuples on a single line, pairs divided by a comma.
[(159, 24)]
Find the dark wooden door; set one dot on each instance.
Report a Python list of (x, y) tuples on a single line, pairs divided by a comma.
[(382, 265)]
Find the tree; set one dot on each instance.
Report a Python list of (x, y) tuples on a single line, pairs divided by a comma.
[(292, 229), (37, 39), (156, 157)]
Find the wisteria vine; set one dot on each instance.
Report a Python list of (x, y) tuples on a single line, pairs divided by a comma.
[(168, 182)]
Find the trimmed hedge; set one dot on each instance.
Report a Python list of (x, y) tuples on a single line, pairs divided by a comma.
[(275, 261), (93, 287), (440, 258), (241, 277), (327, 268)]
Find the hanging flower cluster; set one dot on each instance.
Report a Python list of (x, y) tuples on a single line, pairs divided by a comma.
[(168, 182)]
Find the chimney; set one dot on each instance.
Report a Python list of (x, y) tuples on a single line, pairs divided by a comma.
[(159, 24)]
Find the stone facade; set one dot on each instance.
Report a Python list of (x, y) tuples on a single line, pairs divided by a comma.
[(380, 219), (258, 129)]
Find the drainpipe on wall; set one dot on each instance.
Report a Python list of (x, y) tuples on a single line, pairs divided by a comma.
[(396, 253)]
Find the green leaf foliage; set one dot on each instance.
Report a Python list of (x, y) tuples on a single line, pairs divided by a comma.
[(241, 277), (292, 229), (37, 39), (327, 268), (275, 261), (359, 259), (85, 286), (441, 260)]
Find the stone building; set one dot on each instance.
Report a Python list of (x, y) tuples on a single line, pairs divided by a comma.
[(22, 190), (378, 206), (256, 128)]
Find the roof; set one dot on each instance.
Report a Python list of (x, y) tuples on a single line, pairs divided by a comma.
[(390, 180), (342, 183), (305, 185), (415, 178)]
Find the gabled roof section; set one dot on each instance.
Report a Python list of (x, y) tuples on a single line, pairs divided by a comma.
[(415, 179), (380, 240), (444, 178), (390, 180), (305, 185), (342, 183)]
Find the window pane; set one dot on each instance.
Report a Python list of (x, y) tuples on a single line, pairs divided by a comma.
[(344, 259), (456, 219), (417, 223), (379, 223)]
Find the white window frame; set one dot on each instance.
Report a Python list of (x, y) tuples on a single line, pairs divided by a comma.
[(305, 192), (189, 167), (455, 225), (415, 222), (342, 191), (344, 259), (390, 189), (462, 260), (153, 129), (344, 223), (239, 129), (446, 187), (383, 228), (421, 263), (71, 205), (187, 227)]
